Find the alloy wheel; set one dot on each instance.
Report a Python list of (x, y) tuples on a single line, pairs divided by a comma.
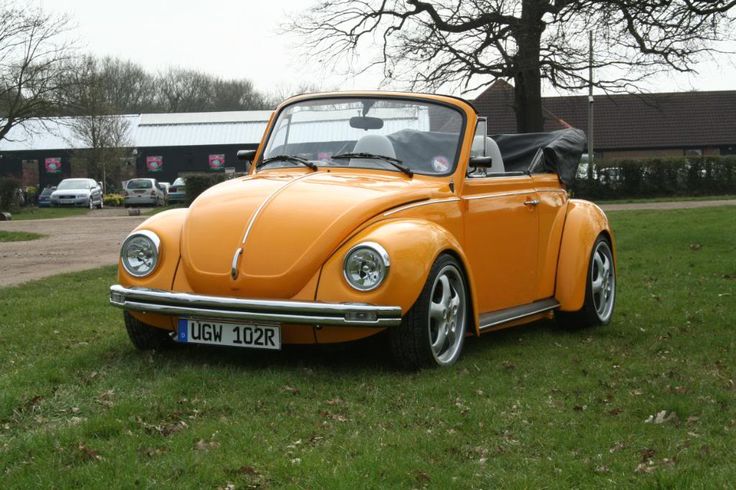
[(603, 281), (447, 315)]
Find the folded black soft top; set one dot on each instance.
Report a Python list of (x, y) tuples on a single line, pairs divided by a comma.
[(561, 151)]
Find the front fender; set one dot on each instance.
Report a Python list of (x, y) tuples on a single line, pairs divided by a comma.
[(583, 223), (413, 246), (167, 225)]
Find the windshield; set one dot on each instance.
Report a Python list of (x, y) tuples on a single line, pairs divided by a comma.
[(139, 184), (74, 184), (421, 136)]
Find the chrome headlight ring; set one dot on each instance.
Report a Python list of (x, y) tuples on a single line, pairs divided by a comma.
[(366, 266), (140, 253)]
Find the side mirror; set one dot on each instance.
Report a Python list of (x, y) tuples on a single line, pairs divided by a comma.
[(485, 162), (247, 155)]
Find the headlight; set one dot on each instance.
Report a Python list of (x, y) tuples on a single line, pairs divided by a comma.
[(139, 253), (366, 266)]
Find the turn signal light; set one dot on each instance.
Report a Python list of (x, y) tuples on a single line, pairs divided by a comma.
[(361, 316)]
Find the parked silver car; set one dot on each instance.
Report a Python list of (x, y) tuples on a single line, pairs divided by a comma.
[(77, 192), (143, 191), (178, 191)]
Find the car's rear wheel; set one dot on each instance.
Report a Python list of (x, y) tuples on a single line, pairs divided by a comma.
[(146, 337), (432, 333), (600, 290)]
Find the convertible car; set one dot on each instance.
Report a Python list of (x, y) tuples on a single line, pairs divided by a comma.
[(371, 212)]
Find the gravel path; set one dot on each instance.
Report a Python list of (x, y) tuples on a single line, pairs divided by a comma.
[(70, 244), (86, 242)]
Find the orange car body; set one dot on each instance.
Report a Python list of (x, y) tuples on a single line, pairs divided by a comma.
[(295, 226)]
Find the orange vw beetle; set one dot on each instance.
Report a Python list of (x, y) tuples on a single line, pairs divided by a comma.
[(368, 212)]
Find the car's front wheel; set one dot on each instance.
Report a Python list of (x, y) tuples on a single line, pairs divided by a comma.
[(432, 333), (600, 290), (146, 337)]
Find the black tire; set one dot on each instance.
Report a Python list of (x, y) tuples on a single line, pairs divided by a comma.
[(411, 342), (593, 313), (146, 337)]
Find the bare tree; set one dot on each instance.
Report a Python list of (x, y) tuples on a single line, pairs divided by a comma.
[(33, 58), (471, 43), (100, 133), (180, 90)]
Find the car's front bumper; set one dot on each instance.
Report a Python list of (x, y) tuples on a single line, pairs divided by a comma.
[(283, 311), (76, 201)]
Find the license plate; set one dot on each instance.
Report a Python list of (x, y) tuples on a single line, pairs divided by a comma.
[(254, 335)]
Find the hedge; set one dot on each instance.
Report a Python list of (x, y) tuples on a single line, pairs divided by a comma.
[(9, 193), (113, 199), (196, 184), (657, 177)]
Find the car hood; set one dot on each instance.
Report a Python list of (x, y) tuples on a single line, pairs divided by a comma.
[(287, 224), (69, 192)]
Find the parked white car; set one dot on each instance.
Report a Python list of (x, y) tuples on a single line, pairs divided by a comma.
[(77, 192), (143, 191)]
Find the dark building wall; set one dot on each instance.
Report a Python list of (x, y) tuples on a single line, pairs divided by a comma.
[(176, 160), (11, 165), (182, 159)]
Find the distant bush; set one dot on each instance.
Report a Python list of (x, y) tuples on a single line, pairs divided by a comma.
[(113, 200), (31, 195), (196, 184), (657, 177), (9, 193)]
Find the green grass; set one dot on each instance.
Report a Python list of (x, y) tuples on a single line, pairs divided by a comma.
[(667, 199), (18, 236), (47, 213), (525, 408)]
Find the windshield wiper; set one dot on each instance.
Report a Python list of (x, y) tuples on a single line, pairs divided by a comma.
[(393, 161), (290, 159)]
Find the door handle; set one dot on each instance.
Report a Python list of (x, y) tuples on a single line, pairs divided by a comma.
[(531, 202)]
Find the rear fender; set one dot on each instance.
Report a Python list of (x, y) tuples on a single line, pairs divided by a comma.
[(583, 223)]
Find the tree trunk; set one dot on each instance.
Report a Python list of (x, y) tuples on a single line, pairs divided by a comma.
[(527, 78)]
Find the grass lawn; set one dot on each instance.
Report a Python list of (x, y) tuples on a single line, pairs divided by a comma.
[(18, 236), (47, 213), (530, 407), (667, 199)]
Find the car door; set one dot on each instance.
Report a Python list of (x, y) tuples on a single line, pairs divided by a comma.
[(501, 238)]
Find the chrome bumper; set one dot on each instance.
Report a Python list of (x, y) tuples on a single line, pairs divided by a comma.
[(282, 311)]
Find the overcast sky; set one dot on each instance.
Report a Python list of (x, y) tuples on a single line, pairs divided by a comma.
[(241, 39)]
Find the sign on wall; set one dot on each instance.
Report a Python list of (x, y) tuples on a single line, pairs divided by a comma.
[(155, 163), (53, 165), (217, 162)]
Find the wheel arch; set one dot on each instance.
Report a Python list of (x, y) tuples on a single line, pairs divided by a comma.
[(584, 223), (473, 324)]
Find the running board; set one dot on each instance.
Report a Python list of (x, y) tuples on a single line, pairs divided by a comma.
[(495, 318)]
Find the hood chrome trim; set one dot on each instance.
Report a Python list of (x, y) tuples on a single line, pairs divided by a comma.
[(234, 266)]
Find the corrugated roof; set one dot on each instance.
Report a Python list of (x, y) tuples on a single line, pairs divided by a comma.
[(199, 134), (51, 134), (205, 117), (147, 130)]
